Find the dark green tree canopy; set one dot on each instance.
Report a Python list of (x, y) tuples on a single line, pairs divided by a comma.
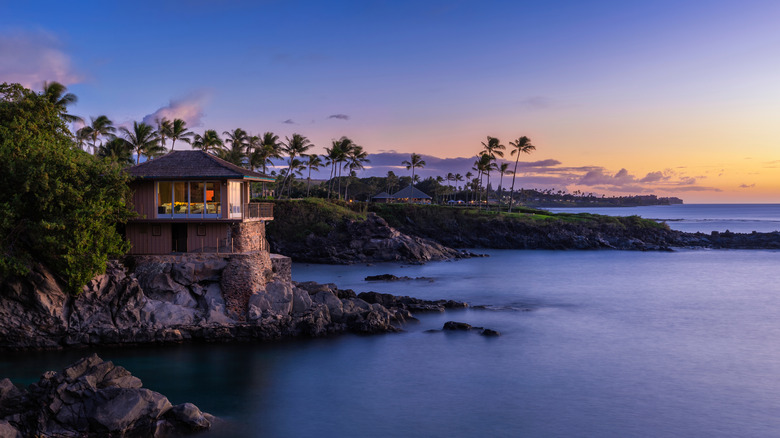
[(58, 204)]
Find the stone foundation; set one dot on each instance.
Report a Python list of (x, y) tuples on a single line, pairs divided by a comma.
[(282, 267), (244, 275), (248, 236)]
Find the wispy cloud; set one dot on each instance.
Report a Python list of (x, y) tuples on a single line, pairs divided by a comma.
[(30, 58), (747, 186), (190, 109), (289, 122), (339, 116), (536, 102)]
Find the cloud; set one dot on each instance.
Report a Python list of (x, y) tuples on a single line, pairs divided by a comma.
[(289, 122), (747, 186), (536, 102), (30, 58), (190, 109), (654, 177), (339, 116)]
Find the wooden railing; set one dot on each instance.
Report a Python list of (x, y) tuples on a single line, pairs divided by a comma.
[(259, 210)]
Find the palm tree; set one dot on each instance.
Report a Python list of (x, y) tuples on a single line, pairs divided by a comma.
[(164, 128), (493, 148), (142, 140), (234, 150), (208, 142), (335, 155), (55, 93), (503, 170), (457, 178), (178, 131), (313, 161), (101, 126), (82, 135), (295, 147), (522, 144), (482, 165), (415, 162), (117, 149), (356, 160), (469, 176), (264, 148)]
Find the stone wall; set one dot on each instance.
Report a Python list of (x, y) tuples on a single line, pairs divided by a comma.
[(244, 275), (248, 236), (282, 267)]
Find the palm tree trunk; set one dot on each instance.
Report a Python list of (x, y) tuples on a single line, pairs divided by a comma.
[(512, 190)]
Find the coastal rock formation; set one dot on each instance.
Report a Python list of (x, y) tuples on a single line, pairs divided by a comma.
[(93, 398), (167, 300), (363, 241)]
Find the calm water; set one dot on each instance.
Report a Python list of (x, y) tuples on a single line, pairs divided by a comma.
[(738, 218), (616, 344)]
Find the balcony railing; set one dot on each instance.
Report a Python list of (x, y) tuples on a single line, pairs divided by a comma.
[(259, 210)]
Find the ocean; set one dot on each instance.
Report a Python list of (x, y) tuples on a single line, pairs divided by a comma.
[(594, 344), (705, 218)]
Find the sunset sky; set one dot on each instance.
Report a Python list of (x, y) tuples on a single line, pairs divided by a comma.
[(675, 98)]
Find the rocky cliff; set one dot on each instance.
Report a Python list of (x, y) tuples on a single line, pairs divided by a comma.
[(174, 299)]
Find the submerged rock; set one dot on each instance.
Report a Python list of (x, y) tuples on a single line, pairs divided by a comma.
[(93, 398)]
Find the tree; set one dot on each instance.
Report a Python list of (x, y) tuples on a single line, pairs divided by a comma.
[(263, 149), (503, 169), (356, 160), (522, 144), (59, 206), (56, 94), (415, 162), (313, 161), (492, 149), (295, 147), (178, 131), (234, 149), (117, 149), (164, 129), (335, 155), (208, 142), (144, 141), (101, 126)]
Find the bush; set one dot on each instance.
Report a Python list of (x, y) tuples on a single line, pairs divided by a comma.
[(58, 205)]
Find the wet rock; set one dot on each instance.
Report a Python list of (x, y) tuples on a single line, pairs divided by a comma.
[(459, 326), (490, 332), (94, 398)]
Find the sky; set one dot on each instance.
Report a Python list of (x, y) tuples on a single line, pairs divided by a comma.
[(673, 98)]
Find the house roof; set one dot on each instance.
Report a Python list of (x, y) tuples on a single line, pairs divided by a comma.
[(410, 192), (383, 195), (193, 164)]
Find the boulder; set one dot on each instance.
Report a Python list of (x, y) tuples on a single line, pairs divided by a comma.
[(453, 325), (95, 398)]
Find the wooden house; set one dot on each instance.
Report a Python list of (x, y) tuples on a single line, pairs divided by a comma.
[(192, 201)]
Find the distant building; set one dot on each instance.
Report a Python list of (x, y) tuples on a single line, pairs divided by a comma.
[(407, 194), (383, 197), (192, 201)]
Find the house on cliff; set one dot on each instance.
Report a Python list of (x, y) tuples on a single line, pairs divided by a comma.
[(192, 201)]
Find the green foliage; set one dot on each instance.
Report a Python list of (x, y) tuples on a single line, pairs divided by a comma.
[(296, 219), (58, 205)]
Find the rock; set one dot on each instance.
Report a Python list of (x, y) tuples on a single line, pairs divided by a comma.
[(490, 332), (188, 417), (453, 325), (95, 398), (8, 431), (114, 308), (385, 277)]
